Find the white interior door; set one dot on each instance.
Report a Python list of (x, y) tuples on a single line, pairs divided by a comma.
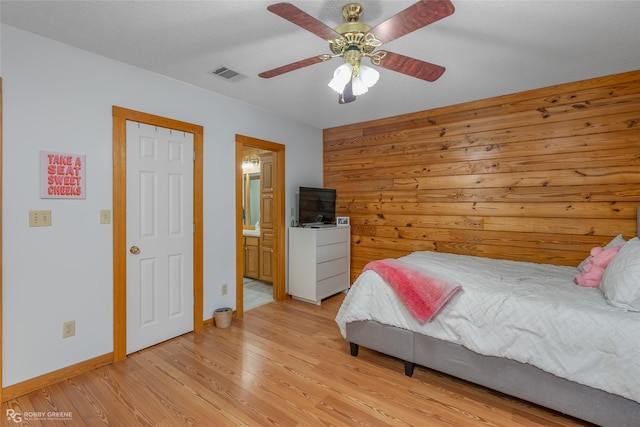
[(159, 234)]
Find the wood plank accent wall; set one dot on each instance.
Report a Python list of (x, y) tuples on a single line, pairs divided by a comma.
[(541, 176)]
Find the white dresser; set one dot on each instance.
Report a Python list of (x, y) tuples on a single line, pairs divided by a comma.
[(318, 262)]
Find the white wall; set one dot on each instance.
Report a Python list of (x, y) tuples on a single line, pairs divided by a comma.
[(59, 98)]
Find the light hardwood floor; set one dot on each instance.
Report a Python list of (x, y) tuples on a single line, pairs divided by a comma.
[(284, 364)]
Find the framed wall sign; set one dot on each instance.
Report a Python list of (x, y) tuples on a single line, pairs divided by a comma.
[(62, 176), (342, 221)]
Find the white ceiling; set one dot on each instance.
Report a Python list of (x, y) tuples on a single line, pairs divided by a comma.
[(489, 48)]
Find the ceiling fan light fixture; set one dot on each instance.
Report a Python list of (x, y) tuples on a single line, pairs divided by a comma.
[(341, 77), (354, 39)]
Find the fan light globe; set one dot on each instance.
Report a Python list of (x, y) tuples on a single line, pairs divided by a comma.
[(359, 87), (341, 77), (366, 78)]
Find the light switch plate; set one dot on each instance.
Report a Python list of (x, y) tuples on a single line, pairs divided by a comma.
[(105, 216), (39, 218)]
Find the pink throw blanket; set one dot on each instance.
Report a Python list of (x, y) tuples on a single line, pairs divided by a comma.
[(424, 295)]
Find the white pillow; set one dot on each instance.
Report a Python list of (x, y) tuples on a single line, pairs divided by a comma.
[(621, 279), (616, 241)]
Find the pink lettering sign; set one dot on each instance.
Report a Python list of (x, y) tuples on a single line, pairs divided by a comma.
[(62, 176)]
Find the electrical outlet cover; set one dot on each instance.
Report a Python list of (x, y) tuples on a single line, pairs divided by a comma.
[(68, 329)]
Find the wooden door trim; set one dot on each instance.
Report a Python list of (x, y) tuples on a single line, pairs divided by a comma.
[(1, 197), (279, 277), (120, 116)]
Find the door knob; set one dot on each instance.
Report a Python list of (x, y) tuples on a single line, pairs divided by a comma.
[(134, 250)]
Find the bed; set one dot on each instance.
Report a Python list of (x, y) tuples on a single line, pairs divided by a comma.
[(520, 328)]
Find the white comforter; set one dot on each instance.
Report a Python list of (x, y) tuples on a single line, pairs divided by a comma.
[(532, 313)]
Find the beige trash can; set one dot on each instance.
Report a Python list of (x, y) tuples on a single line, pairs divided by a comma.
[(223, 317)]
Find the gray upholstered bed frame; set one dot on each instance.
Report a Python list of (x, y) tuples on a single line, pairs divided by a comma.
[(507, 376)]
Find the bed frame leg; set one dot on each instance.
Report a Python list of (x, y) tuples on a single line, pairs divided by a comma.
[(408, 368), (354, 348)]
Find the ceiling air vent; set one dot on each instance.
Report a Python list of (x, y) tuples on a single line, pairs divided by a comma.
[(227, 74)]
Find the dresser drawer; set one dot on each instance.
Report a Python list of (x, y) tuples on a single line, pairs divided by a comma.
[(328, 252), (332, 268), (332, 235), (332, 285)]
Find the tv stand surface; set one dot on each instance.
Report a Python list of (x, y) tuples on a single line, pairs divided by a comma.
[(318, 225)]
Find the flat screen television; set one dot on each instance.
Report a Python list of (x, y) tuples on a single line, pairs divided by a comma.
[(316, 205)]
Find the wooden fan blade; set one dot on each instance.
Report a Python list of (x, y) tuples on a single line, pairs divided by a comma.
[(409, 66), (412, 18), (294, 66), (302, 19)]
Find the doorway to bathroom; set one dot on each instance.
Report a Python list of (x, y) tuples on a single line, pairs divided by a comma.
[(260, 254), (257, 185)]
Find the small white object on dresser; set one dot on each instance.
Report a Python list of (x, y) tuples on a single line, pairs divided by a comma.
[(319, 261)]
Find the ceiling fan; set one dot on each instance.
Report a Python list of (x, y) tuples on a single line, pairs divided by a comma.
[(352, 40)]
